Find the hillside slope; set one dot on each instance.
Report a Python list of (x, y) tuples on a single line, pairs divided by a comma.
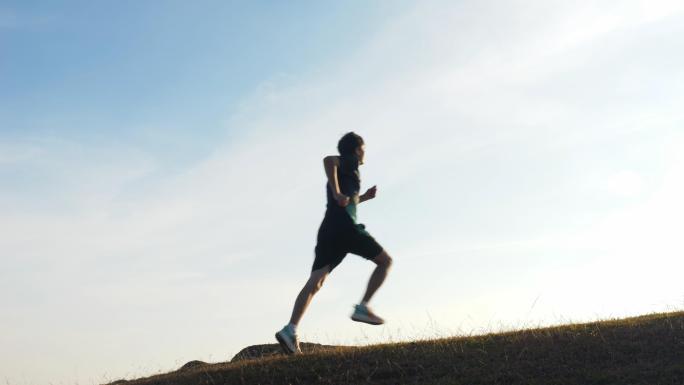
[(640, 350)]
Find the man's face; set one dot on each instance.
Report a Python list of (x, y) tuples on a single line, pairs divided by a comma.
[(361, 152)]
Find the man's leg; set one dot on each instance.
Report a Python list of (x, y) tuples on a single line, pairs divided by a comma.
[(383, 263), (306, 294), (361, 311), (287, 337)]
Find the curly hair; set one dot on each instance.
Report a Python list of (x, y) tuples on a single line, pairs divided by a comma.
[(349, 143)]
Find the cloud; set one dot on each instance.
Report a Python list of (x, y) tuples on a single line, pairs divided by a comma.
[(13, 153), (625, 183), (486, 125)]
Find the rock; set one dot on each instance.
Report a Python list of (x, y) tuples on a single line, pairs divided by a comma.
[(269, 350), (192, 365)]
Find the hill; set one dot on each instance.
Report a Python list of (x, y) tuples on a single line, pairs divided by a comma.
[(641, 350)]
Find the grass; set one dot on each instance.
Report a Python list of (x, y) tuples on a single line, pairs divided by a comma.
[(641, 350)]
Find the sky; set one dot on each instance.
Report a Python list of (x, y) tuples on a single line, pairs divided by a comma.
[(161, 177)]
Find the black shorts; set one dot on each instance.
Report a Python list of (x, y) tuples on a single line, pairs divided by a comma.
[(336, 238)]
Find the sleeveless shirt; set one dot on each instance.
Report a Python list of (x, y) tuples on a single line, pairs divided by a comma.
[(349, 180)]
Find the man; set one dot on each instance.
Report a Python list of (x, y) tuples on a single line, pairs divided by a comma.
[(338, 235)]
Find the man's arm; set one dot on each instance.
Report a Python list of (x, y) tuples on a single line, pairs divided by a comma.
[(370, 194), (331, 163)]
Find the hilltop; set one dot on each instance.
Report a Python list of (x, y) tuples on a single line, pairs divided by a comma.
[(647, 349)]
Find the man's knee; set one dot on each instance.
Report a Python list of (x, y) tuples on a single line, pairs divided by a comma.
[(383, 260)]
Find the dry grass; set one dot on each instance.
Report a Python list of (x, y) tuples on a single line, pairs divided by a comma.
[(640, 350)]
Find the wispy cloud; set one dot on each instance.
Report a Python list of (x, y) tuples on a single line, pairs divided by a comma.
[(488, 127)]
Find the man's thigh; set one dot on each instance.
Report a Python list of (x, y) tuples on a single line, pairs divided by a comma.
[(363, 244)]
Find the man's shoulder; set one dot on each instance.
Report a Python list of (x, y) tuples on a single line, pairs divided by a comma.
[(332, 158)]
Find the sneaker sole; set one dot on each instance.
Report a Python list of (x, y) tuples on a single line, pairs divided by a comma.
[(283, 344), (367, 321)]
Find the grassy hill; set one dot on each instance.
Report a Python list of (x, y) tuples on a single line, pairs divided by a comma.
[(641, 350)]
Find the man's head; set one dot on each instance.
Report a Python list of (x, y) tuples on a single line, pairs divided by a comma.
[(352, 144)]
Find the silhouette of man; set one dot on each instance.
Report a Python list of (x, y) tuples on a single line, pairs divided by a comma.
[(338, 235)]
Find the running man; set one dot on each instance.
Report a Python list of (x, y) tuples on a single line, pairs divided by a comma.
[(338, 235)]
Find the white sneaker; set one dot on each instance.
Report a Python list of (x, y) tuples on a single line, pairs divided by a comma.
[(288, 341), (364, 314)]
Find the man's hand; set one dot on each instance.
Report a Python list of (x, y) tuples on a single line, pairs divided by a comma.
[(342, 200), (369, 194)]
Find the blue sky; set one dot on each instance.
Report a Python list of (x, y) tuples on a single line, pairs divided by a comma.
[(119, 65), (161, 174)]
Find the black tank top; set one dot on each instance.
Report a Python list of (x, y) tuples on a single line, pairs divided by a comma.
[(349, 179)]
